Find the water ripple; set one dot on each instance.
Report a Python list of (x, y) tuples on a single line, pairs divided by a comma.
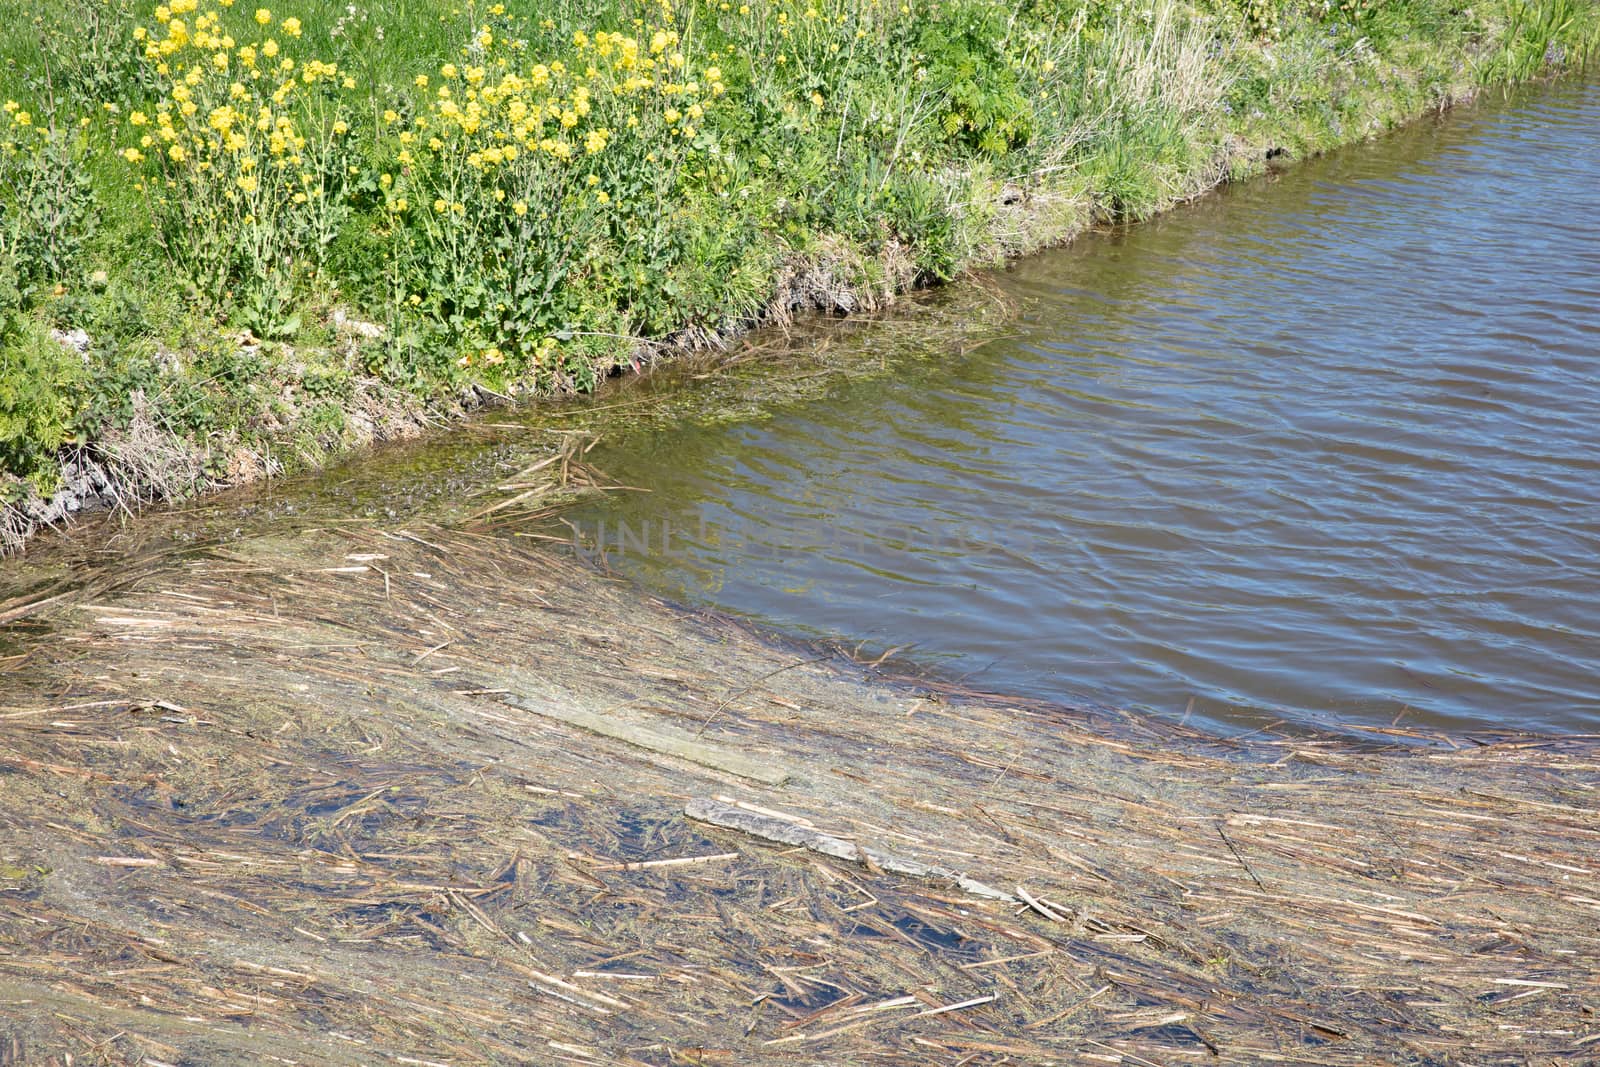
[(1323, 447)]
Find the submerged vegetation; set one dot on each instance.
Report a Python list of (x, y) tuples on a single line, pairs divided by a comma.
[(234, 238)]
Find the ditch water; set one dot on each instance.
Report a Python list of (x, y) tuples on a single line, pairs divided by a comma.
[(1323, 448)]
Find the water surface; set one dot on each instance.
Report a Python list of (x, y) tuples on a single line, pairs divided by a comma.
[(1321, 448)]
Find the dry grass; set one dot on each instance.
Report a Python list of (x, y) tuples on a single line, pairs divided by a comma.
[(269, 804)]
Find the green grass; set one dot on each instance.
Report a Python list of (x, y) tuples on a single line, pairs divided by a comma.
[(812, 151)]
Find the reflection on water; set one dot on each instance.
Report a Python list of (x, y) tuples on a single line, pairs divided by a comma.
[(1323, 447)]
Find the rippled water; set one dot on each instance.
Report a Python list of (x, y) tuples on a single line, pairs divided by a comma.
[(1323, 447)]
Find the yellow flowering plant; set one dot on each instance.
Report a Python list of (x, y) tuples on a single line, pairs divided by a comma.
[(243, 156), (47, 206), (522, 185)]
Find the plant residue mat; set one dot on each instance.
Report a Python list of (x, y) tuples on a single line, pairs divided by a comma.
[(423, 795)]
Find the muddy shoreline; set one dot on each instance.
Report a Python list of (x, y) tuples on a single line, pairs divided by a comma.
[(319, 795)]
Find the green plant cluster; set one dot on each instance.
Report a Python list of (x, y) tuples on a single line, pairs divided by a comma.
[(38, 380), (516, 194)]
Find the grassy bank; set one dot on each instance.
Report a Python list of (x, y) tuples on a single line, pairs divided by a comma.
[(235, 239)]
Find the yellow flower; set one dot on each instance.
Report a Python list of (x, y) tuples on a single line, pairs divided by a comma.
[(133, 155), (399, 205), (138, 118), (291, 26), (602, 197), (520, 208), (448, 70), (247, 182), (177, 154), (341, 127), (391, 115), (263, 16), (440, 206), (422, 81), (270, 48), (816, 99)]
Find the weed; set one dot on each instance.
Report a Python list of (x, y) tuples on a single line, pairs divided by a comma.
[(243, 160), (523, 196), (46, 203)]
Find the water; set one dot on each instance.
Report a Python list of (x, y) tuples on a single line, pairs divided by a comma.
[(1321, 448)]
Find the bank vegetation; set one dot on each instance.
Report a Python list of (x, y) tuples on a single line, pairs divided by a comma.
[(237, 239)]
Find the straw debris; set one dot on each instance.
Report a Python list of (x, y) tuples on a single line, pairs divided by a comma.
[(282, 800)]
